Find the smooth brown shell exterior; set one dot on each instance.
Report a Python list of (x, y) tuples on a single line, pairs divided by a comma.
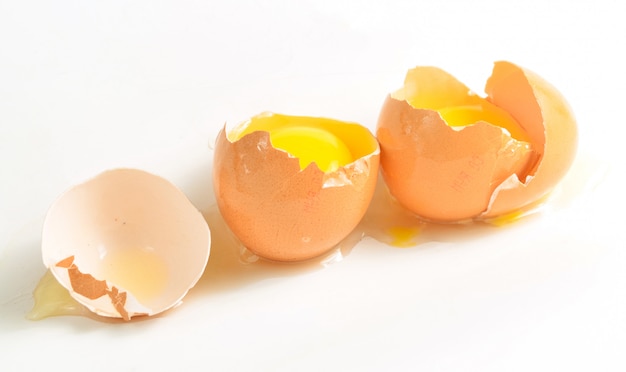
[(283, 213)]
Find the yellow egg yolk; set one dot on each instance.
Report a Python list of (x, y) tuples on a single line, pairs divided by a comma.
[(328, 143), (457, 116), (312, 145)]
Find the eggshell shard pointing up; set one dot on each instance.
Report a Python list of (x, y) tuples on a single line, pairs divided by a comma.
[(479, 171), (125, 243), (282, 212), (547, 118)]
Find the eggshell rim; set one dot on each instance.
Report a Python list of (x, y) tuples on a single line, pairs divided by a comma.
[(229, 132)]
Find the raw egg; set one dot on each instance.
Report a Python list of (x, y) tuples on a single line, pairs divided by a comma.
[(125, 243), (292, 187), (450, 155)]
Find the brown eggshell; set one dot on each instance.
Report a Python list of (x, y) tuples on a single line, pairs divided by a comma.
[(283, 213), (479, 171), (548, 119)]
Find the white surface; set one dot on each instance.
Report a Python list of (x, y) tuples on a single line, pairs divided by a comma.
[(87, 86)]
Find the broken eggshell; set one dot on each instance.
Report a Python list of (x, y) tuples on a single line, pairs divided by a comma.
[(125, 243), (479, 171), (278, 210)]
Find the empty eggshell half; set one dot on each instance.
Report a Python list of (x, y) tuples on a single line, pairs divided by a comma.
[(279, 210), (449, 155), (125, 243)]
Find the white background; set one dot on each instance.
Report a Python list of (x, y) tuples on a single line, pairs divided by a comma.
[(86, 86)]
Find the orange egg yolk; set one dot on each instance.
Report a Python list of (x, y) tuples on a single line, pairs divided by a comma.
[(312, 145), (457, 116)]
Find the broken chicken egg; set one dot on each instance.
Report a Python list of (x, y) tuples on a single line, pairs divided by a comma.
[(125, 243), (292, 187), (449, 155)]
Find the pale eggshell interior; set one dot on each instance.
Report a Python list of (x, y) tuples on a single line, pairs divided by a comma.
[(133, 219)]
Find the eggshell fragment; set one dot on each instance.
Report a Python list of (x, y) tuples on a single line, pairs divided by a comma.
[(549, 121), (125, 243), (478, 171), (284, 213)]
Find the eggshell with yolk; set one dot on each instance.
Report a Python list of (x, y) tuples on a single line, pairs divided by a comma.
[(284, 213), (454, 174)]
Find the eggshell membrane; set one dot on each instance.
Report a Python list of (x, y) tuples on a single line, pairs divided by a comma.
[(479, 171), (113, 214), (279, 211)]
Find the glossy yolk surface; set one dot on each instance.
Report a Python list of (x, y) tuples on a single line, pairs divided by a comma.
[(310, 144), (457, 116)]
